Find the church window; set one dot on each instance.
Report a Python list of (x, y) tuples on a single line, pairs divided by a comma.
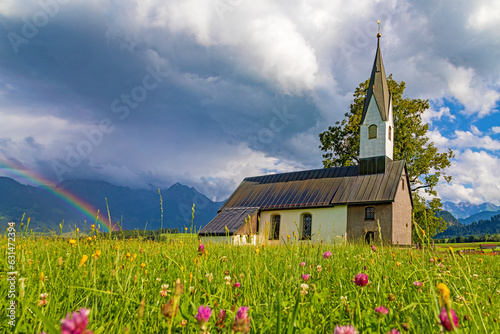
[(306, 226), (390, 130), (370, 213), (372, 131), (403, 183), (275, 227)]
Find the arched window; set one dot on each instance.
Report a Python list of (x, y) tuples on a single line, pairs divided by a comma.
[(390, 130), (274, 234), (372, 131), (306, 226)]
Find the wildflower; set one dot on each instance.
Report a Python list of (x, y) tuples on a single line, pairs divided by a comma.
[(164, 290), (398, 264), (202, 316), (475, 276), (327, 255), (210, 277), (83, 260), (445, 295), (480, 260), (319, 268), (381, 310), (76, 323), (302, 264), (43, 299), (374, 248), (343, 299), (72, 241), (41, 277), (221, 318), (92, 227), (391, 297), (361, 279), (171, 308), (431, 260), (394, 331), (237, 285), (304, 288), (127, 255), (201, 249), (228, 280), (445, 320), (345, 330), (143, 265), (241, 321), (305, 277), (418, 284), (97, 253), (191, 289)]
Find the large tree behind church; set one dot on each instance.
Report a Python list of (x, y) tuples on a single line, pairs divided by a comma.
[(425, 164)]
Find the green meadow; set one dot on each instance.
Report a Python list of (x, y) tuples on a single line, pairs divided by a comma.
[(124, 285)]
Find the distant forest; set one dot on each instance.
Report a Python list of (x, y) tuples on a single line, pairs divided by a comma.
[(486, 229)]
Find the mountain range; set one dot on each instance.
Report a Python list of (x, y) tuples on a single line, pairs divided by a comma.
[(464, 210), (134, 208)]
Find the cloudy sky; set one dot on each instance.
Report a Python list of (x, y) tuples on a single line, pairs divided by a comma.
[(146, 93)]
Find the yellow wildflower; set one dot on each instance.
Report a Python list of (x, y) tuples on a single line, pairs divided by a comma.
[(480, 260), (398, 264), (450, 249), (72, 241), (127, 255), (257, 250), (143, 265), (423, 232), (92, 227), (41, 277), (89, 239), (445, 295), (83, 260), (145, 272), (97, 253)]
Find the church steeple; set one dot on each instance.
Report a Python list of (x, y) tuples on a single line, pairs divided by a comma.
[(376, 128), (378, 86)]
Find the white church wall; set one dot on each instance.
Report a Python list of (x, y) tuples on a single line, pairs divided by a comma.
[(378, 146), (328, 224)]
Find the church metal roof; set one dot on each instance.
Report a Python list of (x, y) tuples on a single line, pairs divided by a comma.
[(378, 87), (311, 188), (316, 188), (231, 218)]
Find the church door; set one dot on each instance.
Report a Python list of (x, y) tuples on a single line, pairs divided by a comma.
[(369, 237)]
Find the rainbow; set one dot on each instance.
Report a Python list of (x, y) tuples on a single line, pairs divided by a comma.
[(29, 177)]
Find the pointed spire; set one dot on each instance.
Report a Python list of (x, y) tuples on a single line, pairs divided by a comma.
[(378, 85)]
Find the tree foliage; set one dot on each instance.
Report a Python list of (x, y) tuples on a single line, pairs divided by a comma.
[(424, 163)]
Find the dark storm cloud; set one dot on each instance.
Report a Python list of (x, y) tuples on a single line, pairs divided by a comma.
[(143, 94)]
